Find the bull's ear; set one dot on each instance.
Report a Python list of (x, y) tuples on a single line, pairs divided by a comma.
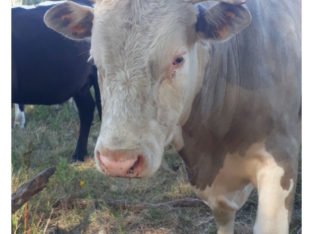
[(222, 21), (72, 20)]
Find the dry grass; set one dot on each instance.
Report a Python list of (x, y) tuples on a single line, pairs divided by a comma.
[(75, 199)]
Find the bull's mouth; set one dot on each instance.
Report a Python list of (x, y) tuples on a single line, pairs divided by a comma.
[(133, 169)]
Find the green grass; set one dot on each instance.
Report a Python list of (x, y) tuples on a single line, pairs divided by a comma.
[(75, 200)]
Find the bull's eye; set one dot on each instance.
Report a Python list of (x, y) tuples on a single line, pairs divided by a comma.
[(178, 61)]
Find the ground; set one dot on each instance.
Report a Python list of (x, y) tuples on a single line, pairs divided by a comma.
[(78, 199)]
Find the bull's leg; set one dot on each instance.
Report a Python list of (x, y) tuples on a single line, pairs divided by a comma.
[(225, 207), (85, 105), (225, 201), (225, 219), (276, 183), (94, 79)]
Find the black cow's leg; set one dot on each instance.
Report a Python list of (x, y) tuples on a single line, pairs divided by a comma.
[(20, 119), (94, 80), (85, 105)]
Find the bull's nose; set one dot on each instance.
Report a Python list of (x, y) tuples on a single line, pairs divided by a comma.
[(120, 163)]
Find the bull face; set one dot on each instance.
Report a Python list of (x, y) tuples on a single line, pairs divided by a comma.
[(150, 64)]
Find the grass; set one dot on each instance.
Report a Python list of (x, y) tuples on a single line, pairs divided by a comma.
[(75, 200)]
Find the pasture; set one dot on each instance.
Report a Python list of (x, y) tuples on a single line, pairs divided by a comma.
[(78, 199)]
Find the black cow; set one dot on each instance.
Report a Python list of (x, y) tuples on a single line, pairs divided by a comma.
[(49, 69)]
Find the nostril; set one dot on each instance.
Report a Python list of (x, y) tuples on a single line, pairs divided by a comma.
[(135, 169)]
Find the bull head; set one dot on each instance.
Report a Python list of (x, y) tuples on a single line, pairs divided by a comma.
[(139, 123)]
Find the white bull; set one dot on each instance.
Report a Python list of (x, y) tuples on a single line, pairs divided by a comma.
[(221, 81)]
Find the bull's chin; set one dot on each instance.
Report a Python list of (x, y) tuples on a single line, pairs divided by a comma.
[(149, 172)]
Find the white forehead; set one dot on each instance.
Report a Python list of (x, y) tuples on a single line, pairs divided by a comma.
[(137, 27), (46, 3)]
